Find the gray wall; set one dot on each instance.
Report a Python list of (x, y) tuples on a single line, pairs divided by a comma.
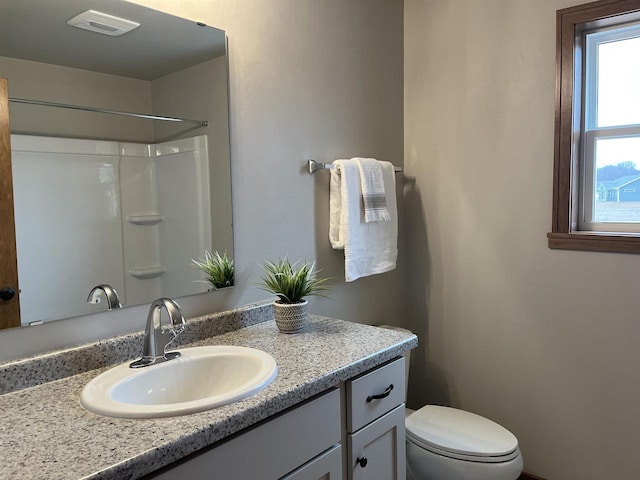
[(201, 92), (308, 79), (531, 337), (58, 84), (316, 79)]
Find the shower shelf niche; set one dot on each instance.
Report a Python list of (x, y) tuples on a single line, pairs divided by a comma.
[(144, 273), (145, 219)]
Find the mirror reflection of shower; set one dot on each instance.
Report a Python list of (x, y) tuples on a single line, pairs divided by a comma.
[(98, 212)]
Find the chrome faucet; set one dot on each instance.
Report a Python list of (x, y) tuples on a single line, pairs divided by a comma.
[(157, 337), (109, 292)]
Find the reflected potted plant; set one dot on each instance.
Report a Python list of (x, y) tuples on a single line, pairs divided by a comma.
[(291, 283), (219, 269)]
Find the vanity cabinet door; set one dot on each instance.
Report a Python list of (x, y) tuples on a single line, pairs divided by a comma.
[(377, 451), (327, 466)]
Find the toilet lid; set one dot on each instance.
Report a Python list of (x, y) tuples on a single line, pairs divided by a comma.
[(448, 430)]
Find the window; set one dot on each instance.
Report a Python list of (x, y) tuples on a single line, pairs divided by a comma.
[(597, 151)]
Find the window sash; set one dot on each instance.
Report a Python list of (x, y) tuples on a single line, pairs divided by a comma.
[(591, 40), (588, 190), (592, 133)]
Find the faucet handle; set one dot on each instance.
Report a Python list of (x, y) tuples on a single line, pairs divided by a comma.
[(174, 330), (176, 326)]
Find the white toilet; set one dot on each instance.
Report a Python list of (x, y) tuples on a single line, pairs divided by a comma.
[(448, 444)]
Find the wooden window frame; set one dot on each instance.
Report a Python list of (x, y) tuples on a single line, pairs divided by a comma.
[(570, 23)]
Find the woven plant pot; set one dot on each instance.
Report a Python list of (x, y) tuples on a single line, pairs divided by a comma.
[(290, 317)]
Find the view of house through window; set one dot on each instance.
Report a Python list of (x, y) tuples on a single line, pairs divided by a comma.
[(617, 196), (610, 145)]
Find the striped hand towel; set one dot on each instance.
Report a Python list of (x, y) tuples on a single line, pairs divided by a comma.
[(373, 194)]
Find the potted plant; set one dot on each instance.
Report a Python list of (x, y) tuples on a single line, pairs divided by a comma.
[(291, 283), (218, 268)]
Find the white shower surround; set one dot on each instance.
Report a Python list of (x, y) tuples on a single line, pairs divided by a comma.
[(145, 208)]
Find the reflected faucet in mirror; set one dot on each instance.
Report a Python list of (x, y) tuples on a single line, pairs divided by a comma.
[(110, 294), (156, 337)]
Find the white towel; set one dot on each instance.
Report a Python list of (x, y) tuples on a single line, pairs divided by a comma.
[(373, 195), (369, 248)]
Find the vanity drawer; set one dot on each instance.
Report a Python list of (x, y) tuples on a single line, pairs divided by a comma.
[(269, 450), (374, 393)]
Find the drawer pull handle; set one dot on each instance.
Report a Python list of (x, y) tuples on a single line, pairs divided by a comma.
[(362, 461), (384, 394)]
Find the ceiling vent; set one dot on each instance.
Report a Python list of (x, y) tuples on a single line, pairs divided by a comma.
[(102, 23)]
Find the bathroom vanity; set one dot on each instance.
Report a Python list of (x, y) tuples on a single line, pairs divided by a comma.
[(313, 421), (313, 441)]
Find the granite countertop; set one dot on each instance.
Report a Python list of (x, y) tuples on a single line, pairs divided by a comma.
[(46, 433)]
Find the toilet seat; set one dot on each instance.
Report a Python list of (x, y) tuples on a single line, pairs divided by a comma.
[(461, 435)]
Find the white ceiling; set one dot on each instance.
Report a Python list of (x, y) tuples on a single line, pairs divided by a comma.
[(37, 30)]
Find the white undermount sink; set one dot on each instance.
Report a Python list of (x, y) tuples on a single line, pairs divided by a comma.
[(200, 379)]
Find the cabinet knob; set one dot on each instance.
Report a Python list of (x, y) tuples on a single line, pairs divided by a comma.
[(7, 293), (379, 396), (362, 461)]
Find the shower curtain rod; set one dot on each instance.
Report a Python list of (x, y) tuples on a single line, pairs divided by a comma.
[(201, 123)]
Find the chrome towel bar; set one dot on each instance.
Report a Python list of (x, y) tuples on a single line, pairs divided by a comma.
[(314, 166)]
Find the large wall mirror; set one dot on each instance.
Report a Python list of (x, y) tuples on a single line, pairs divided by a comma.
[(101, 196)]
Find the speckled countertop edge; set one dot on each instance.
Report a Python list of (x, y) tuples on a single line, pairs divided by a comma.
[(57, 364), (47, 434)]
